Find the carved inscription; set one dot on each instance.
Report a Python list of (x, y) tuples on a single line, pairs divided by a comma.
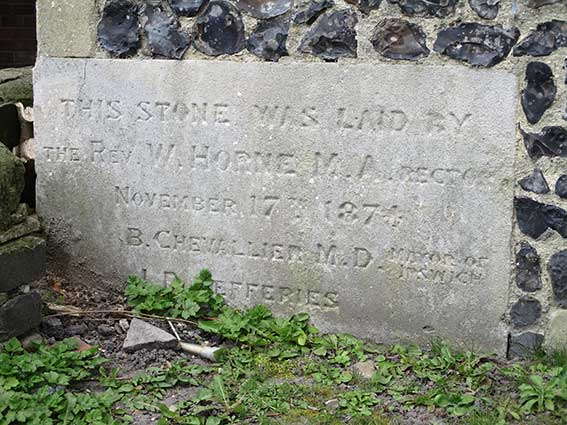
[(434, 267), (265, 251), (205, 159), (363, 212), (374, 118), (378, 198), (254, 293)]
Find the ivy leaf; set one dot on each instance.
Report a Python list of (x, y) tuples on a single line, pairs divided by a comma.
[(9, 383), (190, 309)]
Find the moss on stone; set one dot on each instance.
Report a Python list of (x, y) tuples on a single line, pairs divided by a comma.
[(28, 242), (11, 185), (16, 86)]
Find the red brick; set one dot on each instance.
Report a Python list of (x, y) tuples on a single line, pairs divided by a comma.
[(6, 8), (8, 45), (29, 21), (25, 9), (25, 33), (7, 33), (17, 44), (6, 59), (11, 21), (25, 58)]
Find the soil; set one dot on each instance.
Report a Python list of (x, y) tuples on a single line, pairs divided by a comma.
[(109, 331)]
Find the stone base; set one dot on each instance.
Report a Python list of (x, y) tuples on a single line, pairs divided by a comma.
[(21, 261), (16, 85), (30, 225), (556, 335), (19, 315)]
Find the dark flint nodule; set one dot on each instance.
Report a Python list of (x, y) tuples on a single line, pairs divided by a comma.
[(365, 6), (399, 39), (219, 30), (528, 268), (534, 218), (535, 183), (540, 91), (524, 345), (548, 37), (314, 9), (550, 141), (561, 186), (118, 29), (529, 216), (333, 36), (165, 38), (486, 9), (426, 8), (268, 39), (264, 9), (186, 7), (476, 44), (534, 4), (558, 29), (557, 269), (526, 311), (538, 43)]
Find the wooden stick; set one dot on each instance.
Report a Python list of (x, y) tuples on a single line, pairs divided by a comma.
[(67, 310), (174, 331)]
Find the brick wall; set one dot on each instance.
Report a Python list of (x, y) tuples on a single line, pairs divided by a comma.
[(17, 33)]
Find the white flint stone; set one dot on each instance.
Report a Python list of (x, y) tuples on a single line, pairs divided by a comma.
[(143, 335)]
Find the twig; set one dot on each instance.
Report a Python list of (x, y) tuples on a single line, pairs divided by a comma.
[(174, 330), (63, 310)]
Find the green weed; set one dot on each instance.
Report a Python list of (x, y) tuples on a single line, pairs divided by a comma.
[(274, 371)]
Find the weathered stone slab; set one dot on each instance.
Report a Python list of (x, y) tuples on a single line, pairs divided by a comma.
[(556, 335), (66, 28), (376, 197), (20, 315), (21, 261), (11, 186), (30, 225), (16, 86)]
